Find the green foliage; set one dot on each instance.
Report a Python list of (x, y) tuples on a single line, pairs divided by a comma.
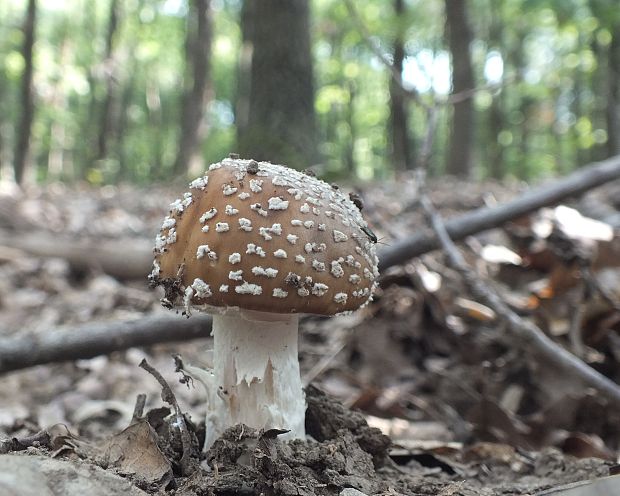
[(546, 116)]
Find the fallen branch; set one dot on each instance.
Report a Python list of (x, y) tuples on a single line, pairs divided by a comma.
[(482, 219), (101, 338), (124, 259), (529, 335)]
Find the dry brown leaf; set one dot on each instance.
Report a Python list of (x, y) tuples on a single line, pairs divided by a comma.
[(134, 451)]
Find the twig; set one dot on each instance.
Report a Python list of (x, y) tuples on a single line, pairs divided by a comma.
[(324, 362), (578, 182), (168, 397), (41, 438), (530, 336), (574, 330), (138, 410)]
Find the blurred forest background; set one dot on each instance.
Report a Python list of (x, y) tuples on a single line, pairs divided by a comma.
[(145, 90)]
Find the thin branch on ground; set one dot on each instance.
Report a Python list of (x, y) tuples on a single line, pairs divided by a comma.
[(482, 219), (528, 334), (98, 338), (168, 397), (574, 329)]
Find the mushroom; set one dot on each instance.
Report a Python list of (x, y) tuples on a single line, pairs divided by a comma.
[(257, 244)]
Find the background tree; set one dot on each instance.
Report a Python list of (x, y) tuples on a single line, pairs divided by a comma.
[(22, 148), (193, 126), (305, 89), (280, 123), (402, 155), (459, 38)]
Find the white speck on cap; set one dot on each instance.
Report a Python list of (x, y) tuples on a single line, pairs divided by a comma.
[(318, 266), (224, 288), (243, 195), (234, 258), (340, 298), (209, 214), (339, 236), (202, 251), (199, 183), (279, 293), (291, 238), (297, 193), (247, 288), (222, 227), (245, 224), (257, 207), (168, 223), (256, 185), (228, 190), (279, 181), (336, 269), (296, 222), (309, 224), (305, 208), (267, 272), (205, 229), (300, 259), (279, 253), (277, 203), (319, 289), (230, 210), (355, 278), (255, 249), (235, 275), (321, 227), (201, 288)]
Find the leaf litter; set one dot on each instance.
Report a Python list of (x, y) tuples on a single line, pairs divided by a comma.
[(465, 411)]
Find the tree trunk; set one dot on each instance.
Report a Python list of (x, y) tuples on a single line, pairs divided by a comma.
[(613, 95), (22, 149), (496, 116), (459, 38), (349, 145), (197, 53), (280, 120), (109, 69), (399, 122)]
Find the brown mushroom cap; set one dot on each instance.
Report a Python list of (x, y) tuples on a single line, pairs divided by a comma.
[(264, 237)]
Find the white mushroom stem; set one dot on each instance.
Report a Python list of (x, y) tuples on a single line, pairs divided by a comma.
[(255, 378)]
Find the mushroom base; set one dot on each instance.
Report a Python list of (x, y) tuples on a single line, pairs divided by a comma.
[(255, 378)]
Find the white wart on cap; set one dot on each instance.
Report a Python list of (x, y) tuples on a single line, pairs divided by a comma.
[(264, 237)]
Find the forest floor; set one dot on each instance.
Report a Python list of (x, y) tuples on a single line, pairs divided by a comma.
[(422, 392)]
